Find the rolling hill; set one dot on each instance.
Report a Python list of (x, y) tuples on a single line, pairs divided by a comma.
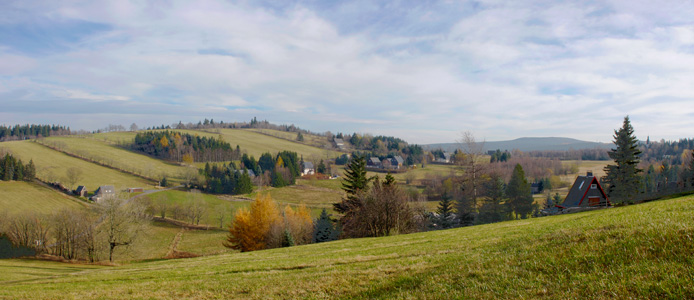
[(529, 144), (638, 251), (27, 197)]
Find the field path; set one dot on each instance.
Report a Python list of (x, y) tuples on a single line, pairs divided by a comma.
[(175, 242)]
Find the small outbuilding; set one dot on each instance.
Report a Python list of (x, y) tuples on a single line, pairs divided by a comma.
[(586, 192), (374, 162), (81, 191)]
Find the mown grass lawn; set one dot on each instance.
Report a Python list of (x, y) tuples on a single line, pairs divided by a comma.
[(640, 251)]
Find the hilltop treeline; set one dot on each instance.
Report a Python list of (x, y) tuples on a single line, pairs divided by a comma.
[(12, 168), (382, 147), (20, 132), (182, 147)]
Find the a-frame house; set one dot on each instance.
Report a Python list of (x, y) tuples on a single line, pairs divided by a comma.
[(586, 192)]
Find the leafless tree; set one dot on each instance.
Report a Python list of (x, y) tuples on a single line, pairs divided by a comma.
[(133, 127), (472, 163), (121, 224), (161, 205), (66, 233), (222, 212), (29, 230), (72, 176), (196, 206)]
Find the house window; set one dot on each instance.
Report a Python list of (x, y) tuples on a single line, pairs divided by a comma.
[(593, 186)]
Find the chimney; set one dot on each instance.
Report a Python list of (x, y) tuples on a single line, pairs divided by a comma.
[(589, 173)]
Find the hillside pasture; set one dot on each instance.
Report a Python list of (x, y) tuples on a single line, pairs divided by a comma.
[(52, 165), (19, 197), (309, 139), (116, 157), (641, 251)]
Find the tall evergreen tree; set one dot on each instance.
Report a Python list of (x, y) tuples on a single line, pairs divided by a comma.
[(445, 217), (492, 210), (622, 178), (519, 193), (354, 183)]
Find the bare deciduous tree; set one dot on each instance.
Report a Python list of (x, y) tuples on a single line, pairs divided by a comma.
[(72, 176), (196, 206), (121, 224), (473, 164)]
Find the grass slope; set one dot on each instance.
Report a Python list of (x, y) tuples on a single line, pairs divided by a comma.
[(107, 154), (19, 196), (56, 163), (256, 144), (641, 251)]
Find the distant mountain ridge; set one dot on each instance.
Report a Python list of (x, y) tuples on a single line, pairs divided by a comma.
[(529, 144)]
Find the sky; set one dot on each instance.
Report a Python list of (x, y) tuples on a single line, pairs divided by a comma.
[(424, 71)]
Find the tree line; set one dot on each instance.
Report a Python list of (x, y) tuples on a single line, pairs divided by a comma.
[(20, 132), (184, 147), (12, 168)]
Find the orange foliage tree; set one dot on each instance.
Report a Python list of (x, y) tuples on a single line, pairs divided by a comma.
[(250, 228)]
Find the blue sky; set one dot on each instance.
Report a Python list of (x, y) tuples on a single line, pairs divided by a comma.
[(421, 70)]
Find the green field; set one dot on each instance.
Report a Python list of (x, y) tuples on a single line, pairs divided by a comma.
[(256, 144), (113, 156), (19, 197), (52, 165), (309, 139), (639, 251)]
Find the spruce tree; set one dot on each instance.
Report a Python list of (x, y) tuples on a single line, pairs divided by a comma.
[(445, 212), (622, 178), (324, 230), (519, 193), (354, 183)]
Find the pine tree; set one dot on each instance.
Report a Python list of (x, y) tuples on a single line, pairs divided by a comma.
[(30, 171), (300, 137), (492, 210), (445, 212), (519, 193), (321, 168), (287, 239), (324, 230), (622, 178)]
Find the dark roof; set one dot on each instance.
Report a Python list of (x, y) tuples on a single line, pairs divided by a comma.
[(308, 165), (81, 188), (579, 189), (399, 159)]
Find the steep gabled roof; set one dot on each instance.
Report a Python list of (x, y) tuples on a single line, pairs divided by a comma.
[(374, 160), (399, 160), (308, 165), (580, 189)]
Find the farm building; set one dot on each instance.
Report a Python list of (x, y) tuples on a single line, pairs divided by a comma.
[(103, 192), (136, 190), (81, 191), (586, 192)]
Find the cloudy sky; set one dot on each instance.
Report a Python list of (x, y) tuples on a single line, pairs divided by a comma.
[(421, 70)]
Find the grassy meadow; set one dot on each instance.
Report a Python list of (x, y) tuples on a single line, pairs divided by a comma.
[(111, 155), (309, 139), (52, 165), (24, 197), (639, 251)]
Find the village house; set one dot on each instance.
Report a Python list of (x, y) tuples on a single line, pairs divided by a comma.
[(307, 168), (374, 162), (339, 143), (586, 192), (104, 192)]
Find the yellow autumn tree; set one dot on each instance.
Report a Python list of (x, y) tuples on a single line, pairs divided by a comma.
[(279, 163), (299, 223), (164, 142), (188, 159), (250, 228)]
